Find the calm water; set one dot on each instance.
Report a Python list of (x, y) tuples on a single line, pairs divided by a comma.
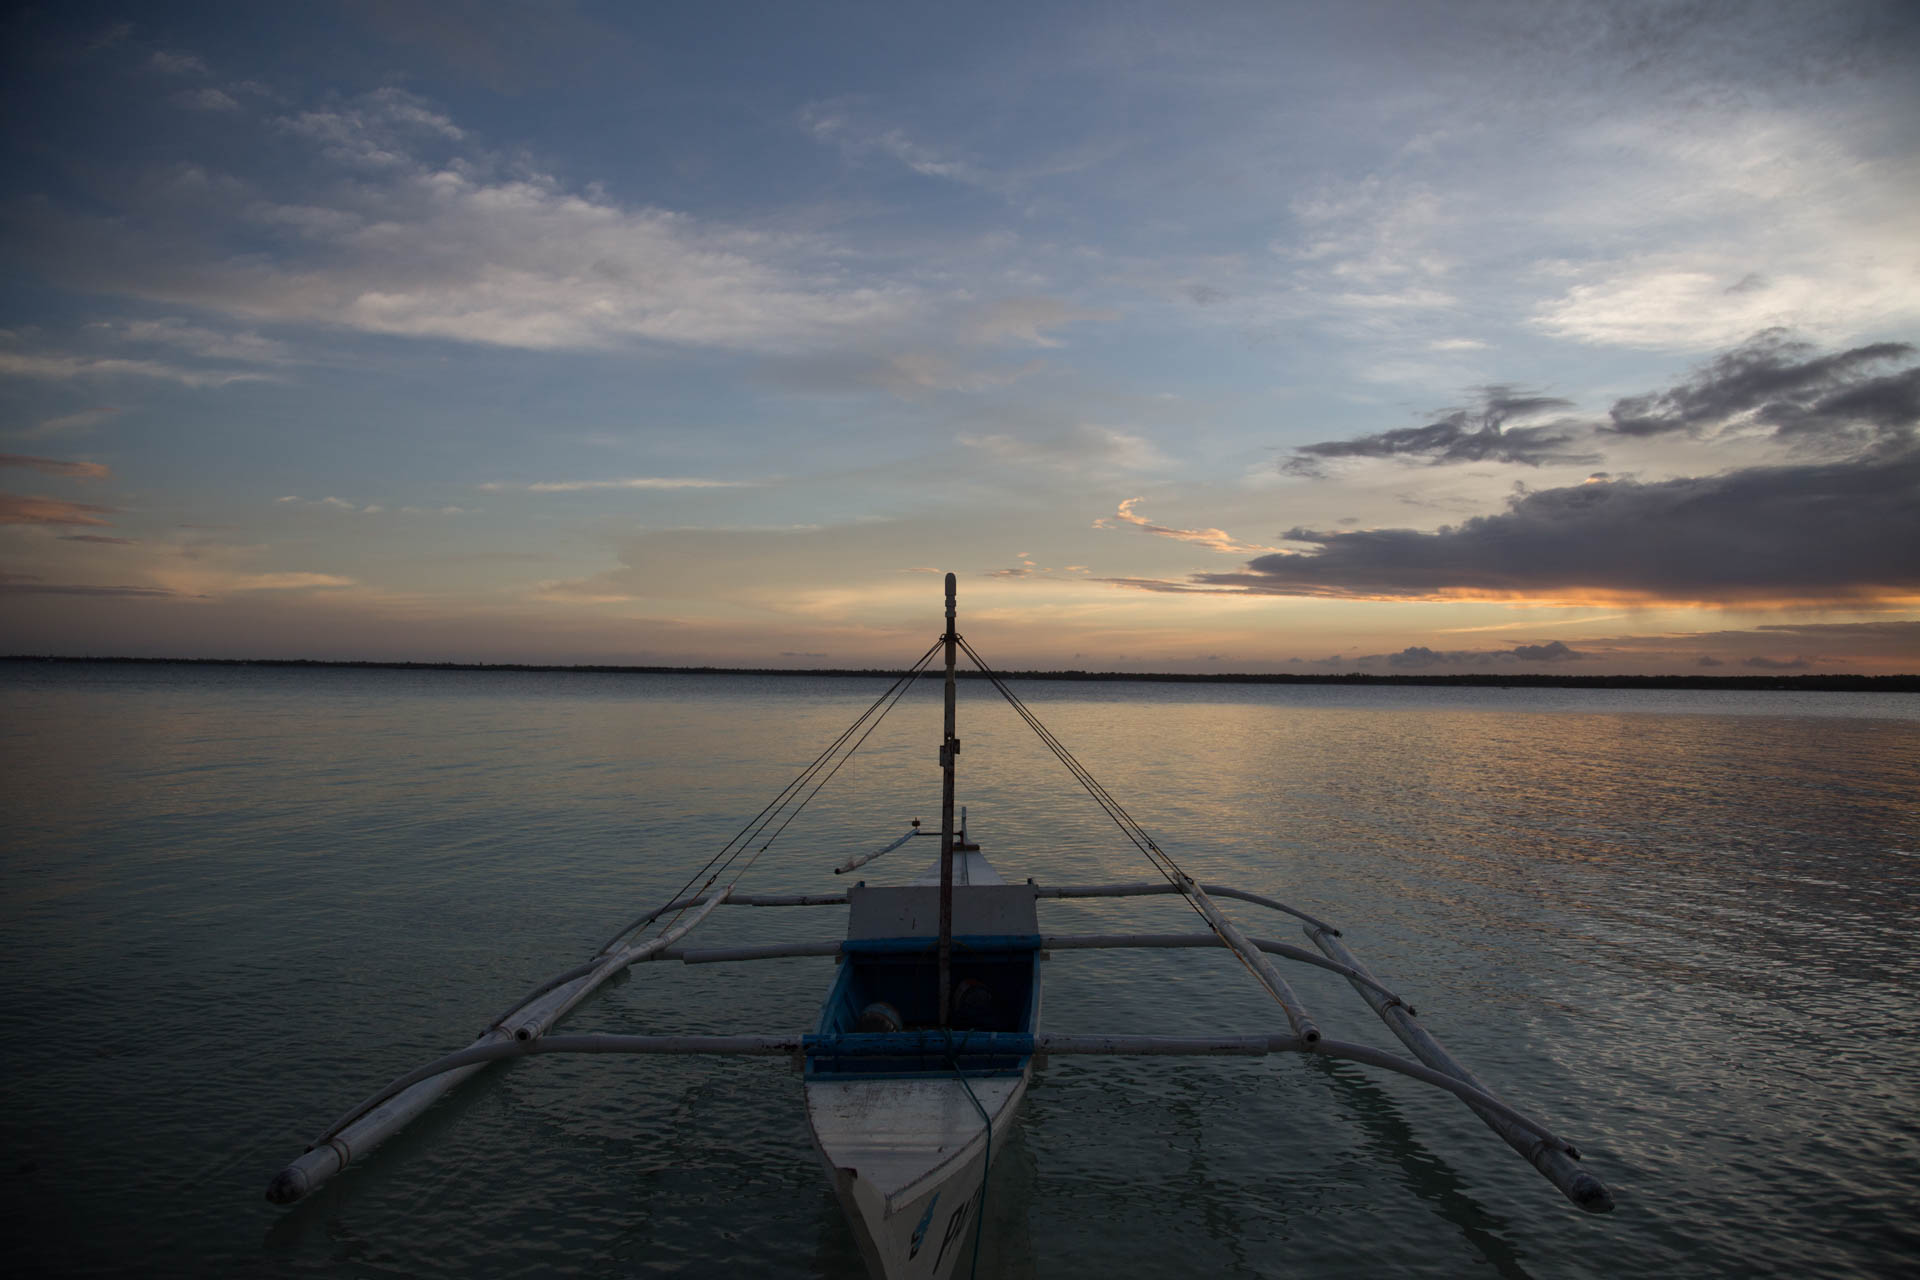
[(1677, 925)]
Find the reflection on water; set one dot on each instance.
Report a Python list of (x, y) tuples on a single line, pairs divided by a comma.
[(1676, 925), (1427, 1175)]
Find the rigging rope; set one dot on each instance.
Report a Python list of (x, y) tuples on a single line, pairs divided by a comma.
[(719, 863), (799, 793), (1135, 833), (1129, 827)]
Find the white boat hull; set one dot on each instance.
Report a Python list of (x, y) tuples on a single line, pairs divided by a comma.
[(908, 1160)]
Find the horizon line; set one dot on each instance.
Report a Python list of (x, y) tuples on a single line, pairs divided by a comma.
[(1908, 682)]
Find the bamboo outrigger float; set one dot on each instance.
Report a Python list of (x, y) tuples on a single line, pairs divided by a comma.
[(927, 1041)]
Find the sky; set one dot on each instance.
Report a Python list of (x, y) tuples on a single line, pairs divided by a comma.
[(1397, 338)]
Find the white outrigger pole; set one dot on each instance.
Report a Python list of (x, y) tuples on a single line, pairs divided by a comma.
[(528, 1028)]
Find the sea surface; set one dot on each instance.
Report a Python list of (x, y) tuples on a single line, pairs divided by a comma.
[(1679, 926)]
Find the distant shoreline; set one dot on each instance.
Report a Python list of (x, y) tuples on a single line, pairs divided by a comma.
[(1801, 683)]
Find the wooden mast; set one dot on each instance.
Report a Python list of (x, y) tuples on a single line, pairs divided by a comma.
[(949, 748)]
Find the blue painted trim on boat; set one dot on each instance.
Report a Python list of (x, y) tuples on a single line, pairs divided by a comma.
[(916, 1055), (932, 1073), (958, 1043), (969, 942), (836, 999)]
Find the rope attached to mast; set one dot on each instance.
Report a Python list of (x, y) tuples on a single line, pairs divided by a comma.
[(786, 806), (1136, 834)]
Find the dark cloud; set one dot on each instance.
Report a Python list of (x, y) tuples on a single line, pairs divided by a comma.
[(98, 538), (1708, 660), (1785, 385), (1418, 657), (1479, 434), (1552, 651), (1841, 531), (1779, 664), (1871, 412), (1841, 403)]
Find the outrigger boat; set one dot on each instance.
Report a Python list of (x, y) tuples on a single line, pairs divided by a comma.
[(926, 1043)]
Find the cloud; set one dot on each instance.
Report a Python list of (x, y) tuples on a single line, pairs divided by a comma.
[(908, 374), (1817, 534), (400, 223), (336, 504), (1373, 249), (331, 503), (1736, 216), (834, 123), (1843, 529), (79, 589), (177, 64), (61, 366), (1162, 586), (56, 466), (718, 572), (1080, 449), (206, 100), (911, 373), (376, 132), (1027, 320), (76, 422), (34, 510), (1880, 411), (1673, 305), (1420, 657), (629, 482), (1784, 385), (283, 581), (1897, 632), (1211, 539), (1886, 644), (1552, 651), (245, 347), (1779, 664), (210, 571), (110, 36), (1480, 434), (1026, 568), (187, 565)]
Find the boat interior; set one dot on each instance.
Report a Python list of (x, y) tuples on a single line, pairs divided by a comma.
[(881, 1020)]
